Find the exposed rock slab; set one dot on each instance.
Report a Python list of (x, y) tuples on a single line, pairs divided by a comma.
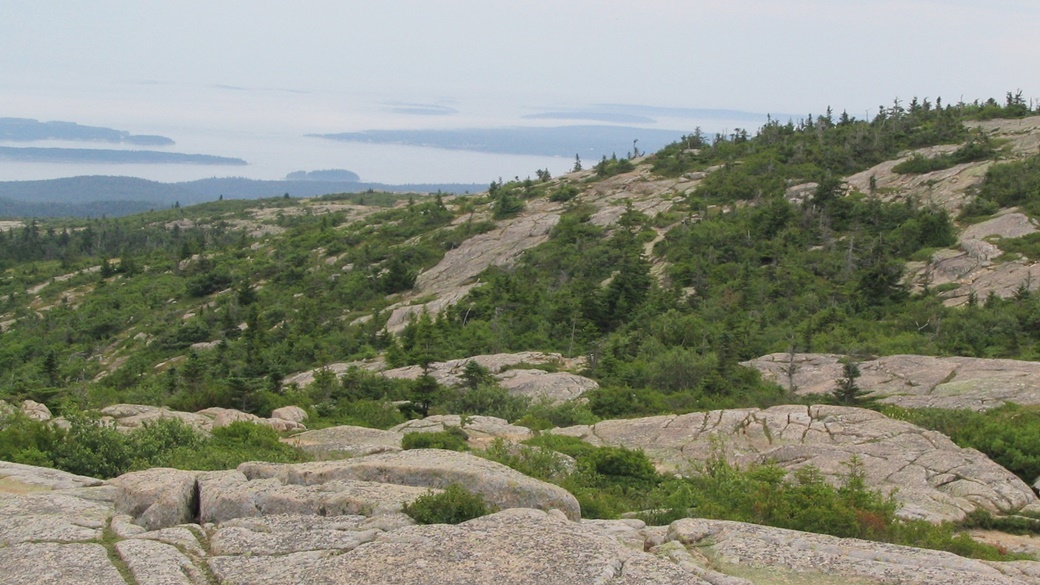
[(258, 544), (77, 515), (804, 556), (912, 381), (932, 477), (32, 563), (156, 563), (228, 495), (18, 478), (511, 547)]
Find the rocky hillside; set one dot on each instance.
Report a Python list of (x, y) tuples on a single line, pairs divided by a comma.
[(606, 359)]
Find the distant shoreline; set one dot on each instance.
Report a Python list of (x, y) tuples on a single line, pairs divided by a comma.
[(111, 156)]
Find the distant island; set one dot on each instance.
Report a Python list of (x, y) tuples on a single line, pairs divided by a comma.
[(30, 130), (113, 156), (331, 175)]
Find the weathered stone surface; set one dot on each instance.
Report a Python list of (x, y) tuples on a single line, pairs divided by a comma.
[(346, 441), (18, 478), (481, 430), (231, 494), (936, 479), (554, 387), (156, 563), (240, 541), (425, 468), (734, 544), (912, 381), (65, 516), (159, 497), (1009, 223), (511, 547), (290, 413), (34, 563)]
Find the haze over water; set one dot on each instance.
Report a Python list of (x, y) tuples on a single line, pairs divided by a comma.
[(269, 128)]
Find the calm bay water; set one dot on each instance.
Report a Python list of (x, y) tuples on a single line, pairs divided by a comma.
[(268, 129)]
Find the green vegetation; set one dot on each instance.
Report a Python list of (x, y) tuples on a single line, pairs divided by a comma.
[(1009, 184), (609, 481), (92, 448), (451, 506), (453, 439)]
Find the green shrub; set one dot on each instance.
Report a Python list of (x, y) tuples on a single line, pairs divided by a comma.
[(453, 439), (487, 400), (452, 506)]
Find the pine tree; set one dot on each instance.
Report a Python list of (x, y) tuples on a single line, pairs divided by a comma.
[(847, 392)]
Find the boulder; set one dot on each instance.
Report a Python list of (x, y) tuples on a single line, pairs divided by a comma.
[(930, 476), (501, 486), (290, 413)]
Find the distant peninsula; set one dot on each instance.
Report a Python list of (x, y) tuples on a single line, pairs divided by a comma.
[(589, 141), (30, 130), (111, 156)]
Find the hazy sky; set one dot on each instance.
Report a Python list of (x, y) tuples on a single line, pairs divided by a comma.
[(334, 65), (758, 55)]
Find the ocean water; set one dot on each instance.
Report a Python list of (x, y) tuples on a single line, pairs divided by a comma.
[(269, 128)]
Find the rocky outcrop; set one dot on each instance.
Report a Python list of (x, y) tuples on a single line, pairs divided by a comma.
[(553, 387), (912, 381), (346, 441), (506, 368), (30, 408), (481, 430), (249, 533), (931, 477), (501, 486), (801, 557), (977, 266), (455, 275), (127, 417)]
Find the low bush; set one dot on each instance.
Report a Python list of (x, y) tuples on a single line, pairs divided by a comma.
[(453, 439), (452, 506)]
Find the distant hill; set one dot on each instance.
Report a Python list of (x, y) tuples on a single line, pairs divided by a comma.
[(94, 196), (338, 175), (106, 155), (28, 130)]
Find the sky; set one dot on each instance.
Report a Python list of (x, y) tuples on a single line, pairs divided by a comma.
[(306, 66)]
